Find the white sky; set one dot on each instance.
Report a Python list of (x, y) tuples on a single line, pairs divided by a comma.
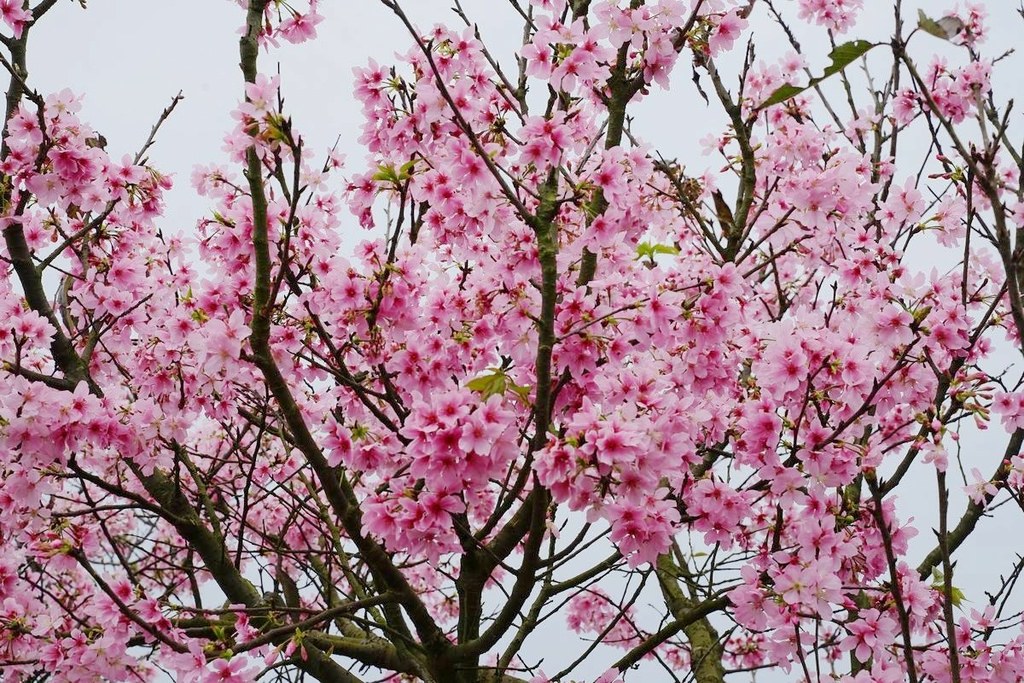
[(131, 57)]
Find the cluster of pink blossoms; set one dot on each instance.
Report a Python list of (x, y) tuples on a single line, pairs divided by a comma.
[(552, 342)]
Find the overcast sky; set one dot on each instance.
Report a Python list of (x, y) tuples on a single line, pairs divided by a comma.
[(131, 57)]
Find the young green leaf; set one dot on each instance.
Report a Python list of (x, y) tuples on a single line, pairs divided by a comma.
[(489, 385), (648, 250), (946, 28), (842, 56), (386, 174)]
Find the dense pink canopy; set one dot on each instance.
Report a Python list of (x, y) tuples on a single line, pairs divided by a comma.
[(685, 410)]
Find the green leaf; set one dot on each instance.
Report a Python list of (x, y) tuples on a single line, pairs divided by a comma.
[(497, 382), (520, 391), (648, 250), (782, 94), (929, 25), (956, 596), (386, 174), (842, 56), (405, 171), (846, 54), (945, 28), (222, 220), (489, 385), (277, 127)]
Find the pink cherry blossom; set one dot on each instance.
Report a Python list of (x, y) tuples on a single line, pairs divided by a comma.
[(563, 378)]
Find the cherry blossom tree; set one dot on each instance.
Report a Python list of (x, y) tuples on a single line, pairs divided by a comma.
[(680, 415)]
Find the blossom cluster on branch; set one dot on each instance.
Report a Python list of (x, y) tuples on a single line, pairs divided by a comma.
[(559, 377)]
